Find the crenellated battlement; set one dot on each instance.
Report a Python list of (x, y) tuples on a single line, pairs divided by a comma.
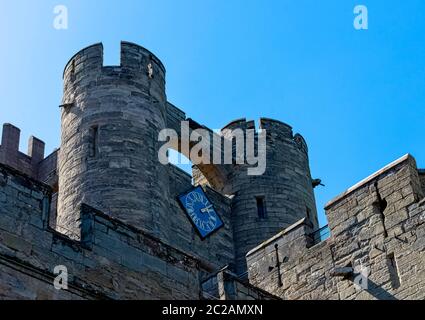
[(275, 129), (133, 57), (111, 117), (104, 206), (11, 156), (265, 124), (136, 63), (278, 128), (286, 176), (91, 56), (241, 123)]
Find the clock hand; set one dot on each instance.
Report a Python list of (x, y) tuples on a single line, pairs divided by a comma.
[(207, 209)]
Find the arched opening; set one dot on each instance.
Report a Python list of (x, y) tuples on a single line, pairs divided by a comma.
[(179, 160), (179, 155)]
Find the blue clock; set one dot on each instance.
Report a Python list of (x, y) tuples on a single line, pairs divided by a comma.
[(200, 211)]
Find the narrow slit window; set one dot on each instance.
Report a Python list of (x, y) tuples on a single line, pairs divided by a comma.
[(94, 141), (261, 208), (393, 270), (73, 71), (308, 213)]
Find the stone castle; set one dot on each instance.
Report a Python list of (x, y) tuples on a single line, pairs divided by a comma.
[(106, 209)]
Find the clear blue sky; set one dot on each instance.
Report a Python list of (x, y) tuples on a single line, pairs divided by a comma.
[(358, 97)]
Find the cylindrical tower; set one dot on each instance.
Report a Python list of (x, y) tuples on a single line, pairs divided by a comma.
[(264, 205), (111, 117)]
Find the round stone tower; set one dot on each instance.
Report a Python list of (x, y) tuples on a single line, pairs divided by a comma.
[(111, 117), (264, 205)]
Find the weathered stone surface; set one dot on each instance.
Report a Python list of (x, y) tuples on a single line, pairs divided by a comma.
[(110, 261), (103, 206), (385, 243)]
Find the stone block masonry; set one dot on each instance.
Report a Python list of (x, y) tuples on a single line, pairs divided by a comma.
[(377, 228), (10, 154), (422, 179), (105, 207), (110, 123), (225, 285), (111, 118), (112, 261)]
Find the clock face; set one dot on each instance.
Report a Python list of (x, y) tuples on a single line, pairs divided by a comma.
[(201, 212)]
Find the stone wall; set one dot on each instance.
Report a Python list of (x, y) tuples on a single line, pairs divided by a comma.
[(225, 285), (110, 120), (422, 179), (377, 229), (219, 250), (112, 260), (141, 243), (11, 156), (47, 170), (285, 188)]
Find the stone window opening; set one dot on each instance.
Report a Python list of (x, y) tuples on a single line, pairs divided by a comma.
[(261, 208), (73, 71), (94, 135), (393, 270), (309, 217)]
